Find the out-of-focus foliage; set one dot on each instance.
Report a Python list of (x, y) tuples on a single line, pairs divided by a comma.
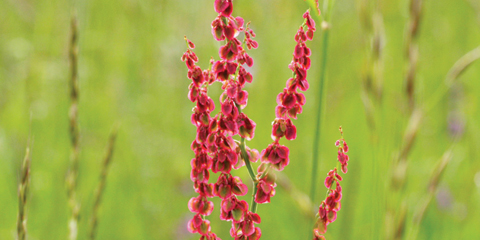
[(130, 71)]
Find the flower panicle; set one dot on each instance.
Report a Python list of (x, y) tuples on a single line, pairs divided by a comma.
[(214, 147), (327, 212)]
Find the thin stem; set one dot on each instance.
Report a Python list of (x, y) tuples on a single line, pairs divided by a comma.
[(246, 159), (253, 205), (325, 26), (316, 139)]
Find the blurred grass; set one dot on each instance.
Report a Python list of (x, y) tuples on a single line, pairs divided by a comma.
[(130, 71)]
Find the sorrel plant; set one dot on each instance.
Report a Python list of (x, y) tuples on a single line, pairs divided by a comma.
[(215, 148)]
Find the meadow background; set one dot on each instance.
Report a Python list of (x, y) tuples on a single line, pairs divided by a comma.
[(130, 72)]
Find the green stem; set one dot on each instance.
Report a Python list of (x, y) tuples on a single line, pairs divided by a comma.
[(253, 205), (316, 139), (247, 160)]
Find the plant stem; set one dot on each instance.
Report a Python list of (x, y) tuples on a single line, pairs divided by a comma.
[(246, 159), (253, 205), (316, 139)]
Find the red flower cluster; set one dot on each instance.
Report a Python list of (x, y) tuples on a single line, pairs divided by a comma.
[(214, 147), (327, 212)]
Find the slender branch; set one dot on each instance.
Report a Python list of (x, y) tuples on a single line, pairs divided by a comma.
[(101, 184)]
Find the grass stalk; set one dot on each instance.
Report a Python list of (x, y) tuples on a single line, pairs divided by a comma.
[(72, 174), (102, 182), (23, 196), (416, 7)]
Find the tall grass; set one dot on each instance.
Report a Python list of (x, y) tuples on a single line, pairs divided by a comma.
[(72, 174), (23, 196)]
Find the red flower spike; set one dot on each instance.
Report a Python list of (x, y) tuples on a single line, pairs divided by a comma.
[(214, 146), (327, 212)]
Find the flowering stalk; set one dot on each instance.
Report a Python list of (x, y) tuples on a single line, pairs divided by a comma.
[(327, 212), (290, 103), (214, 147)]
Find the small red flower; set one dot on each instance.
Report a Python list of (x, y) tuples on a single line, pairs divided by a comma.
[(265, 188), (277, 155), (200, 205), (246, 228), (197, 224), (233, 209), (227, 185)]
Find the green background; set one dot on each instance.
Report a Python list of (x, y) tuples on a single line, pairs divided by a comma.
[(130, 72)]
